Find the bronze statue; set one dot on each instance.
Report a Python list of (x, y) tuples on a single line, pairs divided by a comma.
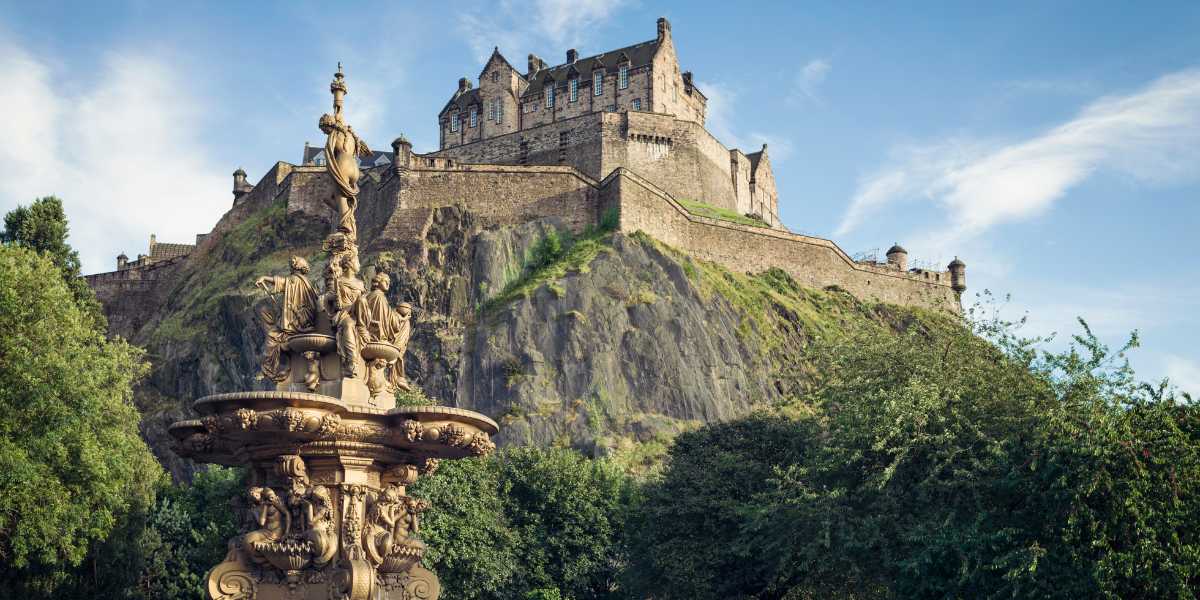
[(295, 312), (346, 307)]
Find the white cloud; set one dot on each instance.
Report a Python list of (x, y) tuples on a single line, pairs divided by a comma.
[(518, 27), (123, 153), (1184, 373), (722, 100), (811, 76), (1152, 135)]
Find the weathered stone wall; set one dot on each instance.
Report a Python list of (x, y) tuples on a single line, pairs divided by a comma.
[(673, 95), (814, 262), (679, 156), (127, 296), (764, 200)]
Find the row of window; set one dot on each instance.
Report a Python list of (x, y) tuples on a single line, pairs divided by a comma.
[(597, 85), (497, 113)]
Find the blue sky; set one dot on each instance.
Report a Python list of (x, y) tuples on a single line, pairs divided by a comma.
[(1053, 146)]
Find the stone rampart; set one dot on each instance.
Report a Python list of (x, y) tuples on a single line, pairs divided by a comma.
[(814, 262), (680, 156), (128, 295)]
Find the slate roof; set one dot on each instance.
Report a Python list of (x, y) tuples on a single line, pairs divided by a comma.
[(638, 55), (462, 101), (312, 152), (162, 251)]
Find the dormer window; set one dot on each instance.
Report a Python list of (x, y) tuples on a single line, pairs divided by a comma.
[(454, 122), (573, 86), (597, 82), (623, 77), (550, 95), (474, 116)]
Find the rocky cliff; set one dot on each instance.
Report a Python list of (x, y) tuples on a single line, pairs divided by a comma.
[(603, 341)]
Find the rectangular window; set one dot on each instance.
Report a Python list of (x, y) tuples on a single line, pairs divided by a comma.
[(492, 110), (550, 96), (574, 88), (597, 83), (637, 104), (474, 116), (454, 122), (623, 77), (499, 111)]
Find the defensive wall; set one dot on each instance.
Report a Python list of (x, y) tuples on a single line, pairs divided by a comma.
[(396, 204), (813, 262), (681, 156)]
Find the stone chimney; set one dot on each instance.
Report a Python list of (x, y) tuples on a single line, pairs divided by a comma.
[(535, 64), (401, 153), (240, 186), (122, 261), (572, 55), (687, 80), (464, 84), (664, 28)]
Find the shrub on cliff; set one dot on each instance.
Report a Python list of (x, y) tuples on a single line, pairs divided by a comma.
[(71, 459), (934, 466)]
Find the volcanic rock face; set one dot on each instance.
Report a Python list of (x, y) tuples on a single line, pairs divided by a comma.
[(625, 347)]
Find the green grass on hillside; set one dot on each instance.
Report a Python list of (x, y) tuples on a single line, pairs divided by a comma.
[(724, 214), (552, 258)]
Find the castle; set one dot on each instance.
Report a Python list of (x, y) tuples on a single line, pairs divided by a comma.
[(619, 133)]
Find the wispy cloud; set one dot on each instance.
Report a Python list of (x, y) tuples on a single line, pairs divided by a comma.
[(810, 78), (520, 27), (123, 153), (1152, 135), (1184, 373), (722, 103)]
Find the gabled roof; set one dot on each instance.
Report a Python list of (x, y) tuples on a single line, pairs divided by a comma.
[(462, 101), (496, 54), (638, 55)]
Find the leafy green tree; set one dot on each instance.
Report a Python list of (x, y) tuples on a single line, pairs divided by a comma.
[(686, 531), (528, 521), (71, 459), (940, 463), (42, 226)]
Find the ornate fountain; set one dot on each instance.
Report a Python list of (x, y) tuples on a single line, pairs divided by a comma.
[(328, 452)]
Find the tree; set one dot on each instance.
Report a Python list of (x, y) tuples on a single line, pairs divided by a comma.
[(71, 459), (938, 463), (42, 226), (528, 522)]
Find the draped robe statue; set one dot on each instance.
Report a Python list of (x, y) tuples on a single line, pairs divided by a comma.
[(295, 312), (342, 149), (385, 324), (346, 306)]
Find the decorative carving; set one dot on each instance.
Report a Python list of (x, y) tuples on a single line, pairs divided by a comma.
[(412, 430), (481, 444), (295, 313), (342, 149)]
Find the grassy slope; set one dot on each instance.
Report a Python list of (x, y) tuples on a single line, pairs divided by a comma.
[(713, 212)]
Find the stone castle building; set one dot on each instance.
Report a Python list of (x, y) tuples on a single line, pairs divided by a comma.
[(618, 133)]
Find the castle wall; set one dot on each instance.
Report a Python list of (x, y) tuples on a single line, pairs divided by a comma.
[(679, 156), (764, 197), (128, 296), (670, 94), (813, 262)]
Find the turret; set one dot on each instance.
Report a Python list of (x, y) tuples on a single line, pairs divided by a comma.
[(958, 275), (401, 151), (240, 186), (122, 261), (898, 256)]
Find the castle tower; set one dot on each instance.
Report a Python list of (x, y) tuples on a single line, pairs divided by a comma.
[(401, 152), (122, 261), (898, 256), (240, 186), (958, 275)]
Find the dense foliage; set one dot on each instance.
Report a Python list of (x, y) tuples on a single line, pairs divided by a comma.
[(528, 522), (42, 226), (71, 459), (938, 464)]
